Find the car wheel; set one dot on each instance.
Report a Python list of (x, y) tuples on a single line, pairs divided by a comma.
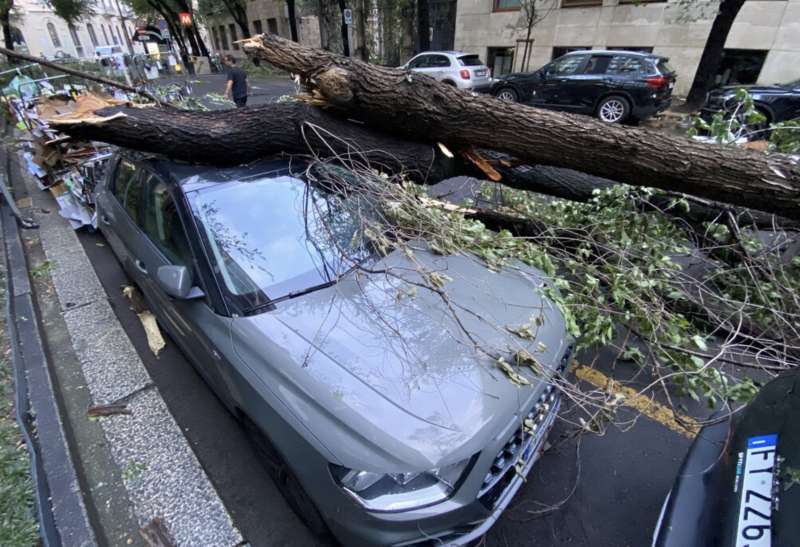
[(507, 94), (613, 109), (450, 83), (287, 483)]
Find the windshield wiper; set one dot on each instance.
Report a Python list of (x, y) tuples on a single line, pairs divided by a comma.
[(301, 292)]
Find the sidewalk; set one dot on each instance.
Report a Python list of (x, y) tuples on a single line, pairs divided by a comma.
[(136, 474)]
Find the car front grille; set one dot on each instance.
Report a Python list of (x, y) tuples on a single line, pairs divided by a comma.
[(523, 443)]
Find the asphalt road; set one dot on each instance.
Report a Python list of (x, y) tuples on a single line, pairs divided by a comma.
[(262, 90), (619, 479)]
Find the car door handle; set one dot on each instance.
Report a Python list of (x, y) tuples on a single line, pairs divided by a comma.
[(140, 266)]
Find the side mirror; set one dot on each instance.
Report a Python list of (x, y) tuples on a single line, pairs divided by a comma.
[(176, 281)]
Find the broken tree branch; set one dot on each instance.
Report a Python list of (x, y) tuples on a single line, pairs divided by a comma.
[(418, 107)]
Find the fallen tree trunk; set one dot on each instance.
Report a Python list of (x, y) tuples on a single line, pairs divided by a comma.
[(420, 108), (231, 137)]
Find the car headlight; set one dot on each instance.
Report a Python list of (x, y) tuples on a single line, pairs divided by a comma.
[(401, 491)]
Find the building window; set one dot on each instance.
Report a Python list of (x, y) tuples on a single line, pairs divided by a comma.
[(121, 31), (215, 37), (740, 66), (500, 60), (632, 48), (76, 40), (257, 28), (51, 28), (580, 3), (559, 51), (223, 37), (507, 5), (272, 25), (113, 34), (232, 28), (105, 35), (92, 35)]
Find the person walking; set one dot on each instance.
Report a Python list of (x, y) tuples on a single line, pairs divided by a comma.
[(236, 88)]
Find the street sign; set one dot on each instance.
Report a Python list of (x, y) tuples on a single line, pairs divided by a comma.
[(149, 34), (348, 16)]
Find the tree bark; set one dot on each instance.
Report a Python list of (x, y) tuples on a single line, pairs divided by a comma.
[(231, 137), (5, 21), (292, 9), (420, 108), (712, 52), (423, 25)]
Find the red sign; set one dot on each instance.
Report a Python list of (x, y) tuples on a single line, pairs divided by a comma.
[(185, 18)]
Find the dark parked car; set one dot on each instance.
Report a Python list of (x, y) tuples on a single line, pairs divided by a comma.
[(377, 416), (740, 482), (613, 85), (778, 103)]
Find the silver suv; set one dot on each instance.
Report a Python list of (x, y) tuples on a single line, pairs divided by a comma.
[(459, 69)]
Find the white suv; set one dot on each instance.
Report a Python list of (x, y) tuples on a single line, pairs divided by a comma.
[(462, 70)]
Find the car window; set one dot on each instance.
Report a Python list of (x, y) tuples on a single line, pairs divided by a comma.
[(128, 188), (623, 64), (438, 61), (664, 67), (569, 64), (598, 64), (276, 235), (470, 60), (161, 222), (419, 62), (123, 174)]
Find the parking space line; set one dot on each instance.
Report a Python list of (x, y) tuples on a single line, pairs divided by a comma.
[(662, 414)]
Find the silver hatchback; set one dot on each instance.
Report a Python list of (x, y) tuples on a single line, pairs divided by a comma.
[(462, 70), (373, 410)]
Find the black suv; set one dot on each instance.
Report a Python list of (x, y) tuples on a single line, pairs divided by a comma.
[(778, 103), (613, 85)]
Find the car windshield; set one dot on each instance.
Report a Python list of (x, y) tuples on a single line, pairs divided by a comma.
[(470, 60), (274, 236)]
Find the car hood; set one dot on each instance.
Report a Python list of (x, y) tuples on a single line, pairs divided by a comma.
[(378, 364)]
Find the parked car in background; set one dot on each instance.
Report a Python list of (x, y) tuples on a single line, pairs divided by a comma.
[(777, 103), (615, 86), (376, 416), (459, 69), (740, 482)]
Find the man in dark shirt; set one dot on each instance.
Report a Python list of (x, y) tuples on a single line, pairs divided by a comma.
[(237, 82)]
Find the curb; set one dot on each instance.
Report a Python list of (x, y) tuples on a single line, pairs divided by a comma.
[(63, 518), (164, 481)]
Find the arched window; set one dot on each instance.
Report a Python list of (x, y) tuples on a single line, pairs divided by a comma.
[(92, 35), (105, 35), (76, 40), (51, 28)]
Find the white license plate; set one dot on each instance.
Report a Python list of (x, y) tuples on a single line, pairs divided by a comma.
[(671, 85), (754, 527), (480, 73)]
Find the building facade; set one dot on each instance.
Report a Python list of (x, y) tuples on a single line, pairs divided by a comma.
[(763, 46), (43, 34), (262, 16)]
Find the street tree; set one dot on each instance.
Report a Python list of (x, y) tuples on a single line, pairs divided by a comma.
[(532, 12)]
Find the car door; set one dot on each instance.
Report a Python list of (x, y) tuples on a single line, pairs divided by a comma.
[(419, 64), (118, 209), (439, 67), (582, 90), (562, 82), (162, 240)]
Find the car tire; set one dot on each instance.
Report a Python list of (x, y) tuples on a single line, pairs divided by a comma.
[(450, 83), (507, 94), (614, 109), (286, 481)]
